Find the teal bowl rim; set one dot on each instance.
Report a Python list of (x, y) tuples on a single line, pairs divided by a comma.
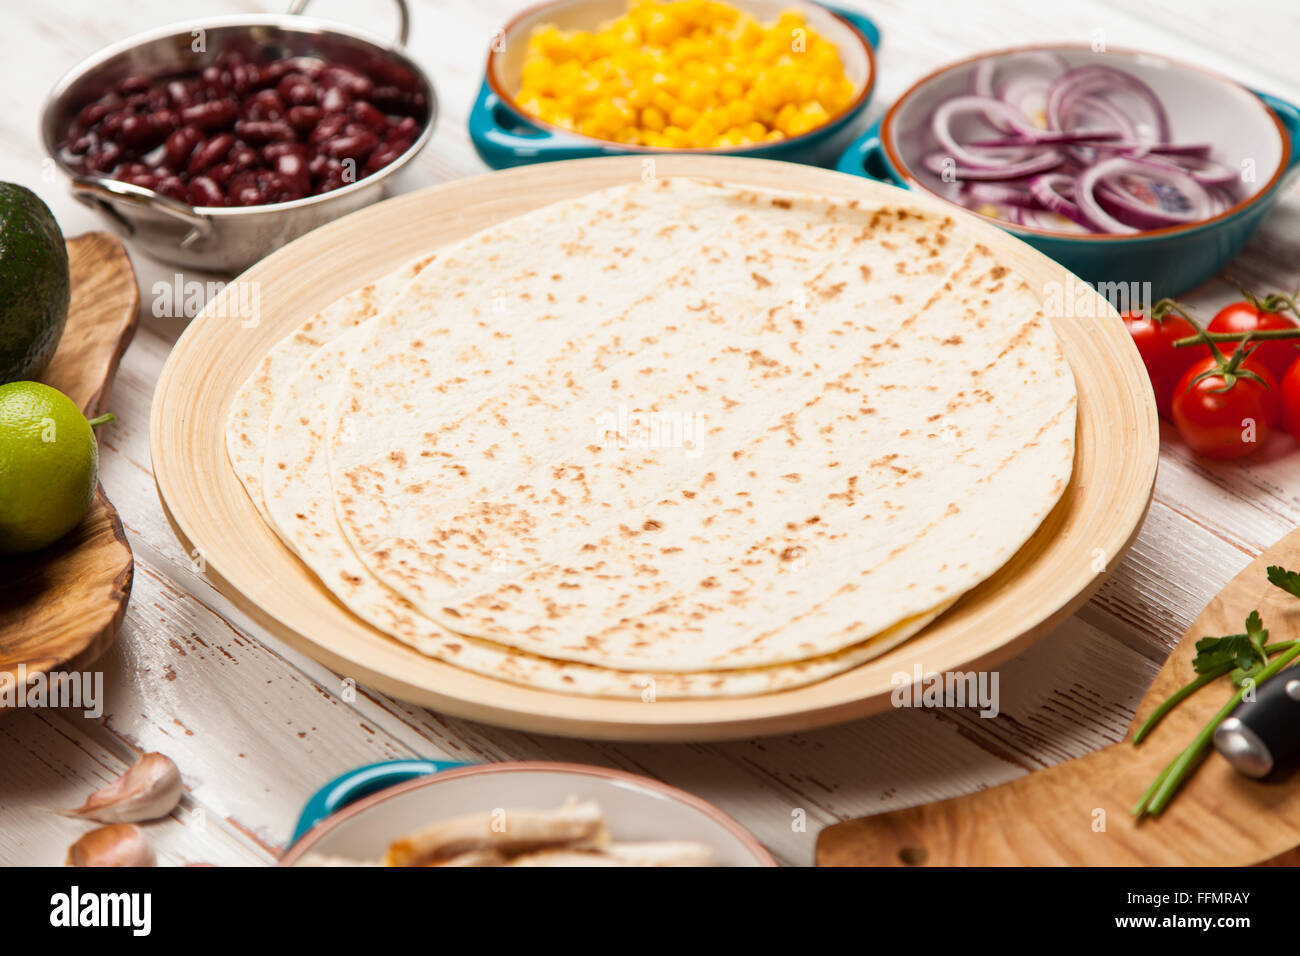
[(861, 25), (1266, 192)]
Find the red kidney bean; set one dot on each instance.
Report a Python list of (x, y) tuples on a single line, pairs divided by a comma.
[(133, 84), (181, 93), (179, 145), (91, 114), (304, 118), (204, 192), (273, 151), (382, 157), (308, 65), (293, 170), (357, 145), (335, 99), (215, 79), (105, 157), (81, 145), (344, 78), (137, 173), (136, 130), (209, 152), (111, 125), (369, 116), (242, 157), (297, 90), (329, 126), (164, 123), (213, 114), (172, 186), (264, 131), (241, 78), (221, 172), (263, 105)]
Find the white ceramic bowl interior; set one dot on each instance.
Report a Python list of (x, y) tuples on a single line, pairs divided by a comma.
[(1202, 108), (589, 14), (634, 810)]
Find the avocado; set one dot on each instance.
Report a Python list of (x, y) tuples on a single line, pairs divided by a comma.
[(34, 284)]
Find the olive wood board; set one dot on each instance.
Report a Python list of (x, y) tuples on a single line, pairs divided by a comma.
[(1049, 817), (63, 605), (1064, 562)]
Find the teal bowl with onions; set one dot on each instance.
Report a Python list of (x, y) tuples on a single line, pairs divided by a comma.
[(505, 136), (1164, 176)]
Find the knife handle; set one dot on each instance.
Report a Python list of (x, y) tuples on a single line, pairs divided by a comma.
[(1263, 733)]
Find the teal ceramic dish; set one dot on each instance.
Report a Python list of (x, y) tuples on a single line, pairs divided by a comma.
[(355, 816), (504, 136), (1252, 131)]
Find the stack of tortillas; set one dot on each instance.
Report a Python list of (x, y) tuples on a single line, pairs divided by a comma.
[(673, 438)]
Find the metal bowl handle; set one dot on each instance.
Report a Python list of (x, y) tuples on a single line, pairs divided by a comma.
[(97, 189), (403, 18)]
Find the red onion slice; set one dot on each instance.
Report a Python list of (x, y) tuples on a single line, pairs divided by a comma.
[(997, 194), (942, 166), (1044, 63), (1089, 81), (1045, 138), (1204, 171), (1050, 192), (1132, 147), (1199, 201), (941, 127)]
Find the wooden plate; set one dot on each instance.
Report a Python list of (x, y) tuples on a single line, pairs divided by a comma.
[(64, 605), (1048, 579)]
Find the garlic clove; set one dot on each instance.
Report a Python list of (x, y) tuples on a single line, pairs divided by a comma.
[(149, 790), (118, 844)]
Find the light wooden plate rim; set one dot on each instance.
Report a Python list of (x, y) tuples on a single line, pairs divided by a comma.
[(1067, 559)]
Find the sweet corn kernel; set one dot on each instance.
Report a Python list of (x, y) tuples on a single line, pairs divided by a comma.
[(685, 73)]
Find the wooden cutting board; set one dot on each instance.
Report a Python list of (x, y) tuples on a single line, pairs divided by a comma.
[(1051, 817), (63, 606)]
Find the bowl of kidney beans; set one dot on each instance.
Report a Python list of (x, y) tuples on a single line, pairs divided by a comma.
[(212, 144)]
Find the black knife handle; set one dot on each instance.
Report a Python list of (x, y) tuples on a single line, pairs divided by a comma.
[(1264, 733)]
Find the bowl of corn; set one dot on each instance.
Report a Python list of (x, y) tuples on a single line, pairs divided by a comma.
[(777, 79)]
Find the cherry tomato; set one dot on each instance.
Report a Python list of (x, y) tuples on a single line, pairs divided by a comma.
[(1244, 317), (1165, 364), (1291, 400), (1216, 420)]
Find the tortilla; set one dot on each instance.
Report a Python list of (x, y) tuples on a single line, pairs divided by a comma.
[(300, 508), (251, 409), (884, 417)]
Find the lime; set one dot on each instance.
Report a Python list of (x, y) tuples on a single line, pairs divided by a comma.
[(49, 464)]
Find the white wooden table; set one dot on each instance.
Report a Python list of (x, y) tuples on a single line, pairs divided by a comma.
[(256, 727)]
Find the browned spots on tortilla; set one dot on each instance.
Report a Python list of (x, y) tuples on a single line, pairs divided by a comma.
[(760, 281)]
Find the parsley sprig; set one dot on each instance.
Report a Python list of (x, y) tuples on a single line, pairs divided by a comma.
[(1245, 659)]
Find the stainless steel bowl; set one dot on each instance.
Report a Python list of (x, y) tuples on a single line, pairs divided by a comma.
[(224, 239)]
